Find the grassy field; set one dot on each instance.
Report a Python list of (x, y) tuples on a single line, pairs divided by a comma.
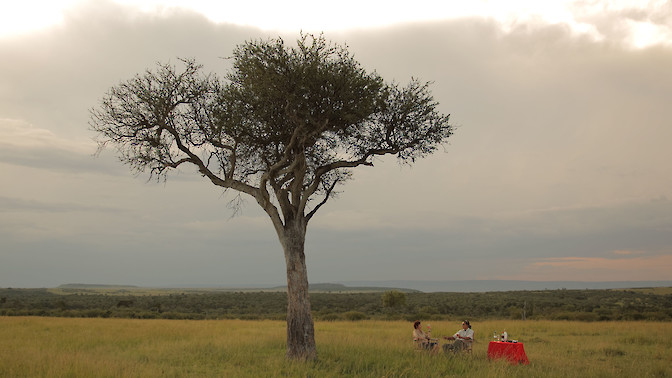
[(65, 347)]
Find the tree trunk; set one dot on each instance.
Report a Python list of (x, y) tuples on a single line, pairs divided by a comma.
[(300, 329)]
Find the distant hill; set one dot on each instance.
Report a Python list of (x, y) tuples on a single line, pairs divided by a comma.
[(479, 286), (317, 287), (467, 286), (95, 286), (336, 287)]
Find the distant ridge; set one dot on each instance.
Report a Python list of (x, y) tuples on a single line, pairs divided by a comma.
[(466, 286), (316, 287), (94, 286), (475, 286), (337, 287)]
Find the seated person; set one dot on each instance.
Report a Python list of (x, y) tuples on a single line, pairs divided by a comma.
[(422, 339), (463, 338)]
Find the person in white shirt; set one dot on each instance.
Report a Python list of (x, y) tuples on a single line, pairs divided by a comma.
[(463, 338)]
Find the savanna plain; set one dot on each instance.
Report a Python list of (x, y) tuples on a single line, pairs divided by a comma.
[(98, 347)]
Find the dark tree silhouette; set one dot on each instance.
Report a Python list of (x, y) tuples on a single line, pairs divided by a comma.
[(285, 126)]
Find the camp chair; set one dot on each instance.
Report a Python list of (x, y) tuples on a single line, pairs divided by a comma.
[(420, 346), (470, 345)]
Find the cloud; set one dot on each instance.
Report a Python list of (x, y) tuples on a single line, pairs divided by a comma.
[(15, 205), (627, 253), (559, 157), (642, 268), (23, 144), (636, 24), (535, 109), (56, 75), (19, 133), (504, 246)]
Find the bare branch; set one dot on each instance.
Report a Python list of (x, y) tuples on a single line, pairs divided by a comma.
[(327, 195)]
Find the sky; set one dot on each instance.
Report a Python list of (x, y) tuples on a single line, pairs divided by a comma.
[(558, 169)]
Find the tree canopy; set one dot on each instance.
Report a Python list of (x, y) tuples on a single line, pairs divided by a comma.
[(289, 121)]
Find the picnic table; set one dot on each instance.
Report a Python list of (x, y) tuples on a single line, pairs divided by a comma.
[(514, 352)]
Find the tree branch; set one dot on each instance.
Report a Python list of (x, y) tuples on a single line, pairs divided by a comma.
[(327, 195)]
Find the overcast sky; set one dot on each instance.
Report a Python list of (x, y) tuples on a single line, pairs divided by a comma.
[(559, 168)]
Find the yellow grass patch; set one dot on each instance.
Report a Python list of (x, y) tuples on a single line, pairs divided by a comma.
[(57, 347)]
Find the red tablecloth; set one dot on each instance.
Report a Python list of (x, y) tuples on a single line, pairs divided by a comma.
[(514, 352)]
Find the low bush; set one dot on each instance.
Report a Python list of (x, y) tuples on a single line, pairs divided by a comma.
[(354, 316)]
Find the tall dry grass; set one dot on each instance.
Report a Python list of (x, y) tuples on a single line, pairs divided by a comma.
[(61, 347)]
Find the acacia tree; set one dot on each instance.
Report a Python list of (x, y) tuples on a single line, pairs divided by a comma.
[(285, 126), (393, 298)]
